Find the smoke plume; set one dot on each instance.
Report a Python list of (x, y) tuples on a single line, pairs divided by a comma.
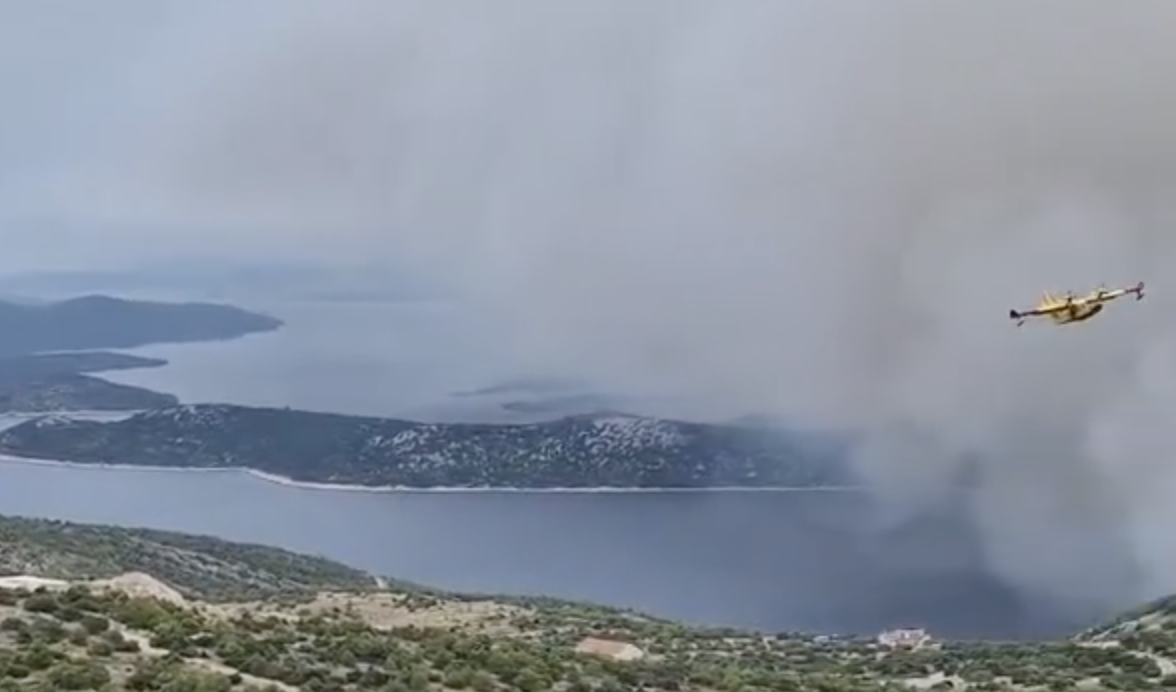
[(821, 210)]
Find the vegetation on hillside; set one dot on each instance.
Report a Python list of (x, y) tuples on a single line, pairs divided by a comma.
[(197, 566), (96, 636), (573, 452)]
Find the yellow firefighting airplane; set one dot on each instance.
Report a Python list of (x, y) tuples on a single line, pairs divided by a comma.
[(1069, 309)]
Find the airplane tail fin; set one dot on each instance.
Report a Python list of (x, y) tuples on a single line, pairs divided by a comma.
[(1138, 291), (1014, 315)]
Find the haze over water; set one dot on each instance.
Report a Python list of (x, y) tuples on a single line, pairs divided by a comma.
[(777, 561), (383, 359)]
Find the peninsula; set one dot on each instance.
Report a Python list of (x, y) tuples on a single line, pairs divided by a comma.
[(55, 382), (45, 348), (586, 451), (105, 322), (85, 607)]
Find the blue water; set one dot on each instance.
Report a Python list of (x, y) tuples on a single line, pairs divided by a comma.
[(775, 561), (385, 359), (769, 560)]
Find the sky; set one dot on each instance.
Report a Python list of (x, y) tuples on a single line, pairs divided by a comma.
[(77, 82), (819, 209)]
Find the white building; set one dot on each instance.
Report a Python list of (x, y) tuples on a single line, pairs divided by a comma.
[(904, 638)]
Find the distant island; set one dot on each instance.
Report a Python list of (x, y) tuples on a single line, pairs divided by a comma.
[(105, 322), (526, 385), (589, 451), (52, 382), (36, 366), (46, 348)]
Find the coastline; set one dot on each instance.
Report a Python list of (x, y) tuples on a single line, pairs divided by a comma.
[(341, 487)]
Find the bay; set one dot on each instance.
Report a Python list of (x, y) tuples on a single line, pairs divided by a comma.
[(770, 560), (380, 359)]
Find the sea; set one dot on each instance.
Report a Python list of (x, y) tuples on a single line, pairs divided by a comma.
[(774, 561)]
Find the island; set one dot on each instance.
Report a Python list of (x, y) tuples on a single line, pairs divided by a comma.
[(35, 366), (65, 393), (582, 451), (87, 607), (105, 322), (47, 349), (55, 382)]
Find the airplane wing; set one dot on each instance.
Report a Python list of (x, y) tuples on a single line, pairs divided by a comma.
[(1048, 305), (1105, 295), (1039, 311), (1102, 295)]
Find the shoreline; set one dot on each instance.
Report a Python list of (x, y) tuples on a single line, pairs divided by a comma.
[(341, 487)]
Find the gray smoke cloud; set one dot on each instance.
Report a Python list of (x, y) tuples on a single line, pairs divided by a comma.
[(821, 210)]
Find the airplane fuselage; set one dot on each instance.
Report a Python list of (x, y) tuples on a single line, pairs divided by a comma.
[(1078, 312)]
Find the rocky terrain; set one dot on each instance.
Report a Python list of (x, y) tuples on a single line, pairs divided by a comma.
[(102, 608), (573, 452)]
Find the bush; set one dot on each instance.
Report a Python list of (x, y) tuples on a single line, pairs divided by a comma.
[(43, 602), (86, 675), (95, 624), (100, 648)]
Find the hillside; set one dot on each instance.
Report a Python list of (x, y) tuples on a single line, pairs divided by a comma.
[(148, 610), (574, 452), (196, 566), (95, 322)]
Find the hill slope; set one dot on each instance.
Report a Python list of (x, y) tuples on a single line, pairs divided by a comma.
[(575, 452), (197, 566), (93, 322), (138, 630)]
